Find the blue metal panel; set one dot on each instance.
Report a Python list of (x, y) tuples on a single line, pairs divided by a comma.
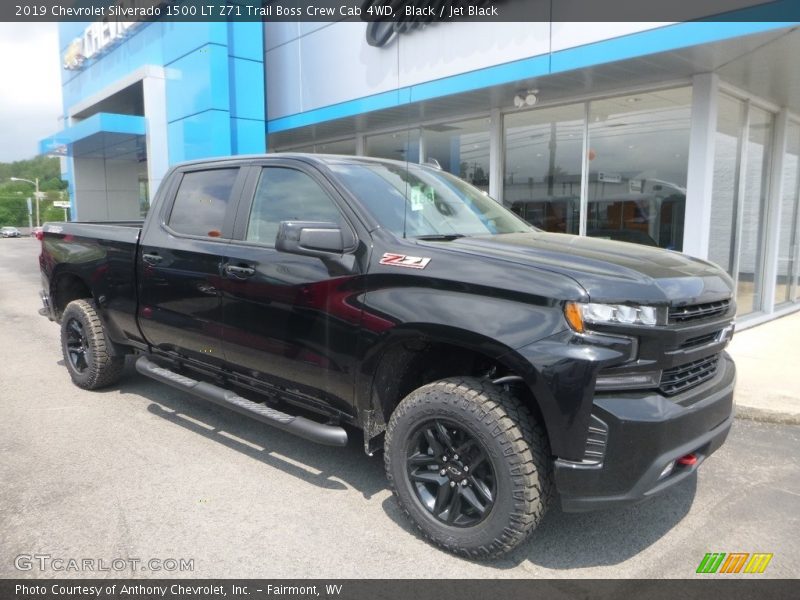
[(96, 124), (200, 135), (247, 89), (662, 39), (513, 71), (180, 39), (214, 91), (248, 137), (337, 111), (143, 47), (198, 82), (481, 78), (246, 40)]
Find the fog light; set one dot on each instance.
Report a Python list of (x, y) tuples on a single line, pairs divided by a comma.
[(628, 381), (667, 470)]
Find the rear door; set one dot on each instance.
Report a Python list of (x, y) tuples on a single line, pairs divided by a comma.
[(179, 261), (291, 321)]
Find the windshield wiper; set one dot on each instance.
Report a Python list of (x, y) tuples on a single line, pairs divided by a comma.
[(440, 237)]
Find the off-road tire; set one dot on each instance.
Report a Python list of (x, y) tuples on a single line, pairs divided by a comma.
[(103, 363), (515, 443)]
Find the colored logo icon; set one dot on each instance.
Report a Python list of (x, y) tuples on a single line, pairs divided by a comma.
[(734, 562)]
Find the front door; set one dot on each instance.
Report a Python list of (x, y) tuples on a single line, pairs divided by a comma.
[(290, 321)]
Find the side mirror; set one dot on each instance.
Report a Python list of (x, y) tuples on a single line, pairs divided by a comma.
[(313, 238)]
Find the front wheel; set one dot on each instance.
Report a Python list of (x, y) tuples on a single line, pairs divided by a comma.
[(90, 357), (469, 466)]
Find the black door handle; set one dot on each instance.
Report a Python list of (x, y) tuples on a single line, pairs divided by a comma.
[(152, 259), (240, 272)]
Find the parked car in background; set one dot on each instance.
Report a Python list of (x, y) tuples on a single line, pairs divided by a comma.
[(8, 232)]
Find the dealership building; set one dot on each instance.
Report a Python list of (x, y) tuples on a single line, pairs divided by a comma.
[(680, 135)]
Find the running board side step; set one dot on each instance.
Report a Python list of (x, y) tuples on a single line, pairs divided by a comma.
[(329, 435)]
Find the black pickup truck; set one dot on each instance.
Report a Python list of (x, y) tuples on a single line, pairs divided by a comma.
[(493, 363)]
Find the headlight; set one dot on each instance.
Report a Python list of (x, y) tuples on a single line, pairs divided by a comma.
[(579, 313), (628, 381)]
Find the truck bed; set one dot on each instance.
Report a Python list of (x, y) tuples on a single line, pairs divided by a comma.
[(103, 254)]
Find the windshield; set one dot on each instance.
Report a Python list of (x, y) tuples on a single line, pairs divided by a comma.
[(422, 202)]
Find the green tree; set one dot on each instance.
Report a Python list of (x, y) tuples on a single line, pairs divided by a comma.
[(46, 168), (51, 213), (13, 212), (13, 194)]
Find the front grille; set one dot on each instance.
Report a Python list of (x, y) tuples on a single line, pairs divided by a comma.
[(686, 376), (700, 340), (695, 312), (595, 450)]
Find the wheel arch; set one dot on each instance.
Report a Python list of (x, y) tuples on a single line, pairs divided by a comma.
[(65, 287), (413, 355)]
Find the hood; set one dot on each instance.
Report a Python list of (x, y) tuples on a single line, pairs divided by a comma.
[(609, 271)]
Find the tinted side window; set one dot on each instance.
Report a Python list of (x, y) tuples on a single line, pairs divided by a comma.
[(202, 201), (287, 195)]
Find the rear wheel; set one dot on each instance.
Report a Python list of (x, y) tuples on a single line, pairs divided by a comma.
[(469, 466), (89, 355)]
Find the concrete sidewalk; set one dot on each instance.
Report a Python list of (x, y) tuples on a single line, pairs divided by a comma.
[(768, 371)]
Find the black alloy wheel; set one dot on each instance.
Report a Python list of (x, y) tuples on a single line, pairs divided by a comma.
[(469, 465), (91, 358), (76, 345), (450, 473)]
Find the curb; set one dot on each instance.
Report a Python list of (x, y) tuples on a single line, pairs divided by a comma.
[(765, 415)]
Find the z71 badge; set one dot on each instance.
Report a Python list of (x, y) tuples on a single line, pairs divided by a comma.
[(401, 260)]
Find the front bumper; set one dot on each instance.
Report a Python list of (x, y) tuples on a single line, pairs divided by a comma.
[(645, 433)]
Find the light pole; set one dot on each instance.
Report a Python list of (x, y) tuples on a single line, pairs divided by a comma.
[(36, 183)]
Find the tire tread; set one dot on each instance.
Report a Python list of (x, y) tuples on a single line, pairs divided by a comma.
[(526, 452), (106, 366)]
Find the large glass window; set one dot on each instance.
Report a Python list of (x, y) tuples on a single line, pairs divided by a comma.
[(727, 143), (399, 145), (347, 146), (637, 159), (638, 163), (461, 148), (741, 180), (201, 202), (751, 247), (786, 280), (542, 177)]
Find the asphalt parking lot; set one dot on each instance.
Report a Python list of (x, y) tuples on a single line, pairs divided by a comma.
[(144, 471)]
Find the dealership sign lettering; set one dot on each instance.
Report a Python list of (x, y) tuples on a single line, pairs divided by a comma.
[(96, 39), (101, 36), (403, 16)]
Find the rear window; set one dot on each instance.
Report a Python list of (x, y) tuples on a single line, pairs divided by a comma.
[(202, 202)]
